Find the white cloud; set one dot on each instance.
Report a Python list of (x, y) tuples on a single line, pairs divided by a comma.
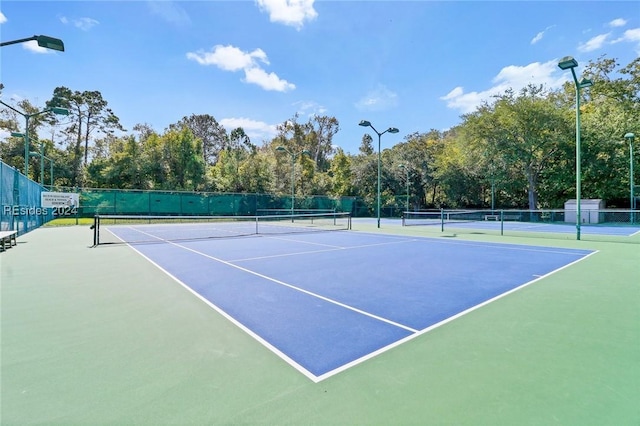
[(631, 36), (309, 108), (253, 128), (618, 23), (511, 77), (594, 43), (170, 12), (268, 81), (3, 18), (230, 58), (85, 24), (540, 35), (379, 99), (293, 13), (537, 38)]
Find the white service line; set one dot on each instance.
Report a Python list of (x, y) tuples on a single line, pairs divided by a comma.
[(336, 248)]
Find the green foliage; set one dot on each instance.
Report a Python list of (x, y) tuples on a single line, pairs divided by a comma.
[(341, 174)]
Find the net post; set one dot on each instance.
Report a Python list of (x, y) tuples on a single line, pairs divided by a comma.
[(441, 220), (96, 230), (501, 222)]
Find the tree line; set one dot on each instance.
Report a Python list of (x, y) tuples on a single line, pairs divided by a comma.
[(514, 151)]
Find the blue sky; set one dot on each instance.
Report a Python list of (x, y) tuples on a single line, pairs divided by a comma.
[(415, 65)]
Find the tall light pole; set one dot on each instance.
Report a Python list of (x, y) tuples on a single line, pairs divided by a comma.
[(293, 168), (27, 117), (365, 123), (42, 40), (569, 63), (42, 158), (406, 169), (630, 137)]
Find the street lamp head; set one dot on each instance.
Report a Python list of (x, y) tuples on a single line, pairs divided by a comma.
[(305, 152), (392, 130), (567, 62), (281, 148), (59, 111), (629, 136), (50, 43), (402, 166), (34, 154), (585, 82), (365, 123)]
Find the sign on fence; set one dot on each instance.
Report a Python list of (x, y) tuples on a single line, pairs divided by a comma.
[(59, 199)]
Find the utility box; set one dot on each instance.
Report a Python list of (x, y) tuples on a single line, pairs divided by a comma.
[(589, 211)]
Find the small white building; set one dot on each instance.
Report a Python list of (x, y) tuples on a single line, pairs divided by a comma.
[(589, 211)]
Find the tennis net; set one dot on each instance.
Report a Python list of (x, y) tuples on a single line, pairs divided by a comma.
[(112, 229), (440, 217)]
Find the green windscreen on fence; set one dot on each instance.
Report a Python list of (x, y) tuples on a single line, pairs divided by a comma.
[(138, 202), (20, 205)]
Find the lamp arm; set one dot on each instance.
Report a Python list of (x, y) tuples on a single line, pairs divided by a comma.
[(10, 107), (22, 40)]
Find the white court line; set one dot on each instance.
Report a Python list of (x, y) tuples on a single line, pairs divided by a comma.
[(337, 248)]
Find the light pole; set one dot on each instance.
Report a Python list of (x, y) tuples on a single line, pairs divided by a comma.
[(55, 110), (365, 123), (630, 137), (569, 63), (42, 40), (293, 165), (406, 169), (42, 158)]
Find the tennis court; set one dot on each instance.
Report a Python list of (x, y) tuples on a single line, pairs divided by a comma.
[(365, 326), (324, 301)]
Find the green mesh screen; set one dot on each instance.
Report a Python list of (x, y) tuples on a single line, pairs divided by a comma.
[(20, 207), (114, 201)]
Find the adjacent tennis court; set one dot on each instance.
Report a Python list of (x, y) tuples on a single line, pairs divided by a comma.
[(324, 301), (549, 222)]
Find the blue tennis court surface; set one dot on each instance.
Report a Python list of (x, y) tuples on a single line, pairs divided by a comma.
[(327, 301)]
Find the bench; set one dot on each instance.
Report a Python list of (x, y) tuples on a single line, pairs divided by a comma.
[(8, 239)]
